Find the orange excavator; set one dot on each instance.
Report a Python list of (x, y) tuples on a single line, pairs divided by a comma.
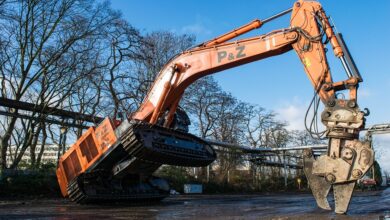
[(116, 159)]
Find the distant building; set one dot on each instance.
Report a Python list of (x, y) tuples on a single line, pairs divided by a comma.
[(49, 155)]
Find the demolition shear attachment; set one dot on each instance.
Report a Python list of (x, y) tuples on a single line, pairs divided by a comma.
[(347, 158)]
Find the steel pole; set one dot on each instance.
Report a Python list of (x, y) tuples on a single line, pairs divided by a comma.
[(277, 15)]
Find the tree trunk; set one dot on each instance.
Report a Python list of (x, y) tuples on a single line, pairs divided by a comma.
[(44, 137), (26, 144), (33, 145), (4, 143)]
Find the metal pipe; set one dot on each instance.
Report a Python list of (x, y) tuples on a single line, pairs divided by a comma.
[(19, 105), (47, 120), (163, 96), (235, 33), (277, 15), (348, 57), (254, 149), (171, 112), (346, 67), (244, 29)]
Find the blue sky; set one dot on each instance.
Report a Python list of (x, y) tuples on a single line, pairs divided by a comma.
[(279, 83)]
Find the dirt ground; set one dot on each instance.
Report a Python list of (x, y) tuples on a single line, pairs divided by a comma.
[(364, 205)]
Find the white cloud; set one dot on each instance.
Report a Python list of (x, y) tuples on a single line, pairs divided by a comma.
[(293, 113), (196, 29), (199, 27)]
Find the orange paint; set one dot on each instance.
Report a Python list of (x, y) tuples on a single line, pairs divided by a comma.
[(87, 149)]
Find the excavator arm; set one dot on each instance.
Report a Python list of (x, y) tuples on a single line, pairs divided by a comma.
[(196, 63), (309, 25), (347, 158)]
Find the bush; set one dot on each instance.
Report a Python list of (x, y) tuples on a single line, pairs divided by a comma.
[(24, 183), (240, 182), (176, 176)]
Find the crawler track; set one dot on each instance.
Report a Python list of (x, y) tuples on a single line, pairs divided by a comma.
[(141, 149), (84, 190), (166, 146)]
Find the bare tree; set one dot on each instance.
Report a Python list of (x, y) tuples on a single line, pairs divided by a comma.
[(229, 127), (302, 138), (72, 54), (158, 48), (42, 57), (218, 115), (202, 101), (258, 122), (124, 43)]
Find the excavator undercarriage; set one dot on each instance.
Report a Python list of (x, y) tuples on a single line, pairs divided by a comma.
[(122, 169)]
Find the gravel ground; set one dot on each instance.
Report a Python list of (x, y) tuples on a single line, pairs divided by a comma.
[(364, 205)]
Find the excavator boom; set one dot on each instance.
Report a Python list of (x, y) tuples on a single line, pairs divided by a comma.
[(155, 134)]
